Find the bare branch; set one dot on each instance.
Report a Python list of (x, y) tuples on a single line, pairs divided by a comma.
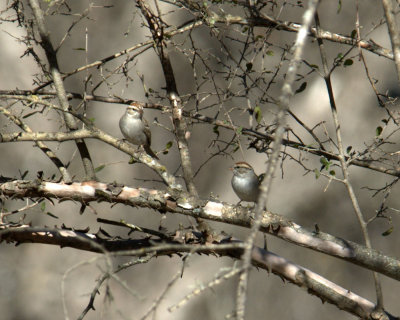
[(265, 136), (59, 86), (393, 32), (346, 177), (314, 283), (46, 150), (181, 133), (164, 201), (286, 93)]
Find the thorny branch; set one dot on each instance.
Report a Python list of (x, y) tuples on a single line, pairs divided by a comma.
[(59, 86), (359, 160), (287, 93), (314, 283), (66, 176), (157, 27), (343, 164), (175, 200), (164, 201)]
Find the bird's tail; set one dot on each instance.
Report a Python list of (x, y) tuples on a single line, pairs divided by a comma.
[(150, 152)]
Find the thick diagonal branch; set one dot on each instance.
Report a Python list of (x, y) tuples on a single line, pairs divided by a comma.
[(59, 86), (180, 203), (315, 284)]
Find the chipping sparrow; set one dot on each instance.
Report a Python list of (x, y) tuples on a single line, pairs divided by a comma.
[(245, 182), (135, 128)]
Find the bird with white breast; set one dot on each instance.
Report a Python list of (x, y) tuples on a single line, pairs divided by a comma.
[(245, 182), (135, 128)]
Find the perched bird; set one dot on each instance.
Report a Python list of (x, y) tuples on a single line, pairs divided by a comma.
[(135, 128), (245, 182)]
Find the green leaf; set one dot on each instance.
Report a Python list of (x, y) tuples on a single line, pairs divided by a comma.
[(51, 215), (348, 62), (349, 149), (314, 66), (301, 88), (317, 173), (239, 130), (215, 130), (353, 34), (378, 131), (325, 163), (43, 206), (81, 49), (270, 53), (132, 160), (258, 114), (339, 56), (387, 232), (339, 6), (332, 173), (99, 168), (169, 145)]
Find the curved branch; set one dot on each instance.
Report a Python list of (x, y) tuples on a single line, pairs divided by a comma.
[(315, 284), (266, 21), (100, 135), (181, 203)]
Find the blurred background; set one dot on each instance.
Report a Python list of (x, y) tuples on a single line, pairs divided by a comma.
[(33, 275)]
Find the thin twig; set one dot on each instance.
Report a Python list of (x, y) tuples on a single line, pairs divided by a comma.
[(287, 93), (343, 164), (46, 150), (106, 276), (26, 96)]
